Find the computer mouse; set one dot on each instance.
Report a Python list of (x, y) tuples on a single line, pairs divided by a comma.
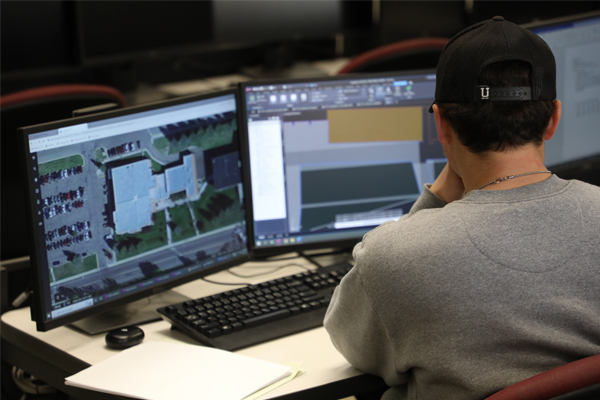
[(125, 337)]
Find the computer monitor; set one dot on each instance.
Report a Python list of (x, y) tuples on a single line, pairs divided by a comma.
[(125, 31), (130, 203), (328, 159), (574, 151), (111, 32)]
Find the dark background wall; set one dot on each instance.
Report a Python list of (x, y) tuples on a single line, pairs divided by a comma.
[(123, 43)]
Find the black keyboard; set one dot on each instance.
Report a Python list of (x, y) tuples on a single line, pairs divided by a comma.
[(257, 313)]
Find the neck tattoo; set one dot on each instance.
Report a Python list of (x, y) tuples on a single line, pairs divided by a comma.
[(509, 177)]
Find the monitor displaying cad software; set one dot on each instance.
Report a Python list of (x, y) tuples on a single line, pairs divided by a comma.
[(129, 203), (331, 158)]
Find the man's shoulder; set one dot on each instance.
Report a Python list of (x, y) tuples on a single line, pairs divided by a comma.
[(585, 187), (585, 193), (406, 241), (426, 220)]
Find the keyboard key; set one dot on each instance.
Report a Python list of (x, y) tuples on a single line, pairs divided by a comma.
[(305, 308), (196, 324), (237, 326), (310, 299), (274, 316), (213, 333), (226, 329), (191, 317), (211, 325)]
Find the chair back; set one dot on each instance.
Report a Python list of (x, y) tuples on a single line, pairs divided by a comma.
[(411, 54), (577, 380)]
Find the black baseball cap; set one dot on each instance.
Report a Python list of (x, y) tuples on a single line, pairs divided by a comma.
[(488, 42)]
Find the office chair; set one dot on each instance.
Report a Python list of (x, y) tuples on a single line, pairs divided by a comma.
[(24, 108), (577, 380), (418, 53)]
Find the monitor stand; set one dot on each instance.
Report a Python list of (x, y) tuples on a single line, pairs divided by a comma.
[(135, 313)]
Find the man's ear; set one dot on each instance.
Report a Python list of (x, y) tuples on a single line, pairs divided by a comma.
[(554, 120), (442, 125)]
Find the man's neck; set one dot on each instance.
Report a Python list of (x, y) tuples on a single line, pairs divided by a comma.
[(477, 171)]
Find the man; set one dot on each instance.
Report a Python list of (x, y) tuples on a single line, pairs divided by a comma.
[(494, 275)]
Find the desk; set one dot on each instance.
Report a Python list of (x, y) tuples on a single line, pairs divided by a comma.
[(61, 352)]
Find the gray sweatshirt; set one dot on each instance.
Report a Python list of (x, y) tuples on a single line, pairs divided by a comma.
[(459, 300)]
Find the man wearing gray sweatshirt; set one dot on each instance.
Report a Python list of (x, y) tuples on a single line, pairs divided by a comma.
[(494, 275)]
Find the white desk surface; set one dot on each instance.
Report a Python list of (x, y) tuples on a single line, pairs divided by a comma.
[(313, 348)]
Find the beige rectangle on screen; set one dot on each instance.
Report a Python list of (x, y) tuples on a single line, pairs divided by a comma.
[(375, 124)]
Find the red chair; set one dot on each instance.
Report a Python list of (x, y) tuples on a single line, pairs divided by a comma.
[(76, 94), (575, 380), (418, 53)]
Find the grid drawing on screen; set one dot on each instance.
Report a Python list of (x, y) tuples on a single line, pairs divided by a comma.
[(135, 201), (576, 47), (332, 158)]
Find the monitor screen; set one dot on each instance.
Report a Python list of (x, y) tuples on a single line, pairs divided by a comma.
[(129, 203), (331, 158), (575, 42)]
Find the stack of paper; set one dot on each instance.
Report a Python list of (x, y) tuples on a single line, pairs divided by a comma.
[(164, 370)]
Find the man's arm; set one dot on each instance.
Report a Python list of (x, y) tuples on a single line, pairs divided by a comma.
[(358, 333), (448, 186), (352, 319)]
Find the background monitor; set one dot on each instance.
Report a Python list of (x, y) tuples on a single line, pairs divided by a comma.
[(130, 30), (164, 41), (129, 203), (330, 158), (574, 151)]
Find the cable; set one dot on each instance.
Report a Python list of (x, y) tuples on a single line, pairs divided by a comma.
[(266, 259), (301, 255), (30, 384), (23, 296), (253, 275), (225, 283), (330, 253), (310, 260), (273, 269)]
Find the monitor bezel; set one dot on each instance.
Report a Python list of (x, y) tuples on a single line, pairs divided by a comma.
[(38, 307), (259, 252)]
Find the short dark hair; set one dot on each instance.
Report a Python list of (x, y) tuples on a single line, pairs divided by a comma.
[(500, 125)]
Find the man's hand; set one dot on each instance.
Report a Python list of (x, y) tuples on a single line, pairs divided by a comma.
[(448, 186)]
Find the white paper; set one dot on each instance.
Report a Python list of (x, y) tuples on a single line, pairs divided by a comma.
[(166, 371)]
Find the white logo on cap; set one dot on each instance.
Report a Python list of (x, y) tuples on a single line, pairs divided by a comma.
[(485, 93)]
